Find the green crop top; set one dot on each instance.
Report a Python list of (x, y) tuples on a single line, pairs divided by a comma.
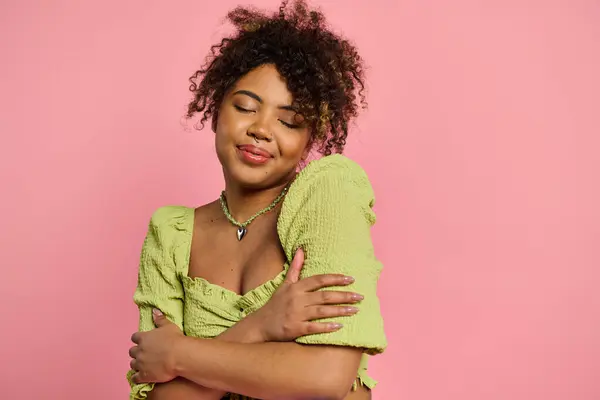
[(327, 211)]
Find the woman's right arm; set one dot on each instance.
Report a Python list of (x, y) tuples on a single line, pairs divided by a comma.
[(159, 287)]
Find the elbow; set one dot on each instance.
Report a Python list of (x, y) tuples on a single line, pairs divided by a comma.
[(331, 374), (324, 386), (330, 394), (339, 392), (337, 395), (331, 386)]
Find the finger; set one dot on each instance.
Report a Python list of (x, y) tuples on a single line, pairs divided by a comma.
[(293, 274), (140, 376), (136, 378), (311, 328), (332, 297), (319, 312), (133, 364), (133, 351), (326, 280), (158, 317), (135, 338)]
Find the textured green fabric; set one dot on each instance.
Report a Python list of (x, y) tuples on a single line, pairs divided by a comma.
[(327, 212)]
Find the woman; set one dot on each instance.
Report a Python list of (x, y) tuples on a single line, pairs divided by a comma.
[(222, 309)]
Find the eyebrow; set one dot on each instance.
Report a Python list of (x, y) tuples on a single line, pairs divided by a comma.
[(257, 98)]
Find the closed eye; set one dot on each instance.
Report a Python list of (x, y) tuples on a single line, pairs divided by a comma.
[(290, 126), (242, 110)]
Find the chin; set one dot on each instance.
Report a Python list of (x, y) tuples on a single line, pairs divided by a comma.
[(246, 175), (250, 178), (254, 177)]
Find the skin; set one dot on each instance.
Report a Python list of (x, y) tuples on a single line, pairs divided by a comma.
[(257, 110)]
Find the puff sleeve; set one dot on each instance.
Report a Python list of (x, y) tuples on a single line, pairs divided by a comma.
[(328, 212), (159, 285)]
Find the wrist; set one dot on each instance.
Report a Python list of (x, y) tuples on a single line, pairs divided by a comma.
[(248, 330), (253, 328), (180, 352)]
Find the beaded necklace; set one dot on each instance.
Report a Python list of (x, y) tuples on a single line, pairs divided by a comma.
[(242, 226)]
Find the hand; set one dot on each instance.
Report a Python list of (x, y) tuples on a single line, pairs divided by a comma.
[(291, 311), (153, 356)]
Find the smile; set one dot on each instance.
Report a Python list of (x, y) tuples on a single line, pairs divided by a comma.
[(253, 154)]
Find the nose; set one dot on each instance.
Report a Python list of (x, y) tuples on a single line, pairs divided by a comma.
[(259, 131)]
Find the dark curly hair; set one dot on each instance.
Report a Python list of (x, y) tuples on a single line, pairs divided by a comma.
[(323, 71)]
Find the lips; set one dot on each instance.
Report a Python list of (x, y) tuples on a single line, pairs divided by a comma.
[(257, 151)]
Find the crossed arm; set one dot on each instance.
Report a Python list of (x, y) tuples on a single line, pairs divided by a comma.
[(208, 369), (242, 360), (265, 370)]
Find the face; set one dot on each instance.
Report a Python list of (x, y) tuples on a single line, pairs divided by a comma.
[(259, 137)]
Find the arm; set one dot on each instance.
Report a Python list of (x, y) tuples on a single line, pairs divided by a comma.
[(180, 387), (269, 370), (159, 287)]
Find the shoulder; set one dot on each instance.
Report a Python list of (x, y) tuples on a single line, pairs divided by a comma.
[(170, 217), (330, 204), (170, 228), (332, 177), (333, 168), (333, 191)]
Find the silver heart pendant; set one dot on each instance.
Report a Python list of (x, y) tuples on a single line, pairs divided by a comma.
[(241, 232)]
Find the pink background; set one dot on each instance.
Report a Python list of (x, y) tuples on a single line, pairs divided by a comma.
[(481, 141)]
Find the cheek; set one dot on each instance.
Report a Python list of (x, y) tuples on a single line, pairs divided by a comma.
[(228, 128), (223, 135), (293, 145)]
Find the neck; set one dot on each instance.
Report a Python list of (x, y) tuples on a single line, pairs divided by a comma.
[(244, 203)]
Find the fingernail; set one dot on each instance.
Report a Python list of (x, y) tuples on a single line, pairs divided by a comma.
[(351, 310), (357, 296), (335, 326), (348, 279), (157, 312)]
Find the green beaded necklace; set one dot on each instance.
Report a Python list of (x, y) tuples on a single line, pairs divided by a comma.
[(242, 227)]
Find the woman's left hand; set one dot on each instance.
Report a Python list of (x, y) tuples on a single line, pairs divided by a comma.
[(153, 356)]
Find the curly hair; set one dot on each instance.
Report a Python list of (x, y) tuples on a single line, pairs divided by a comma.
[(323, 71)]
